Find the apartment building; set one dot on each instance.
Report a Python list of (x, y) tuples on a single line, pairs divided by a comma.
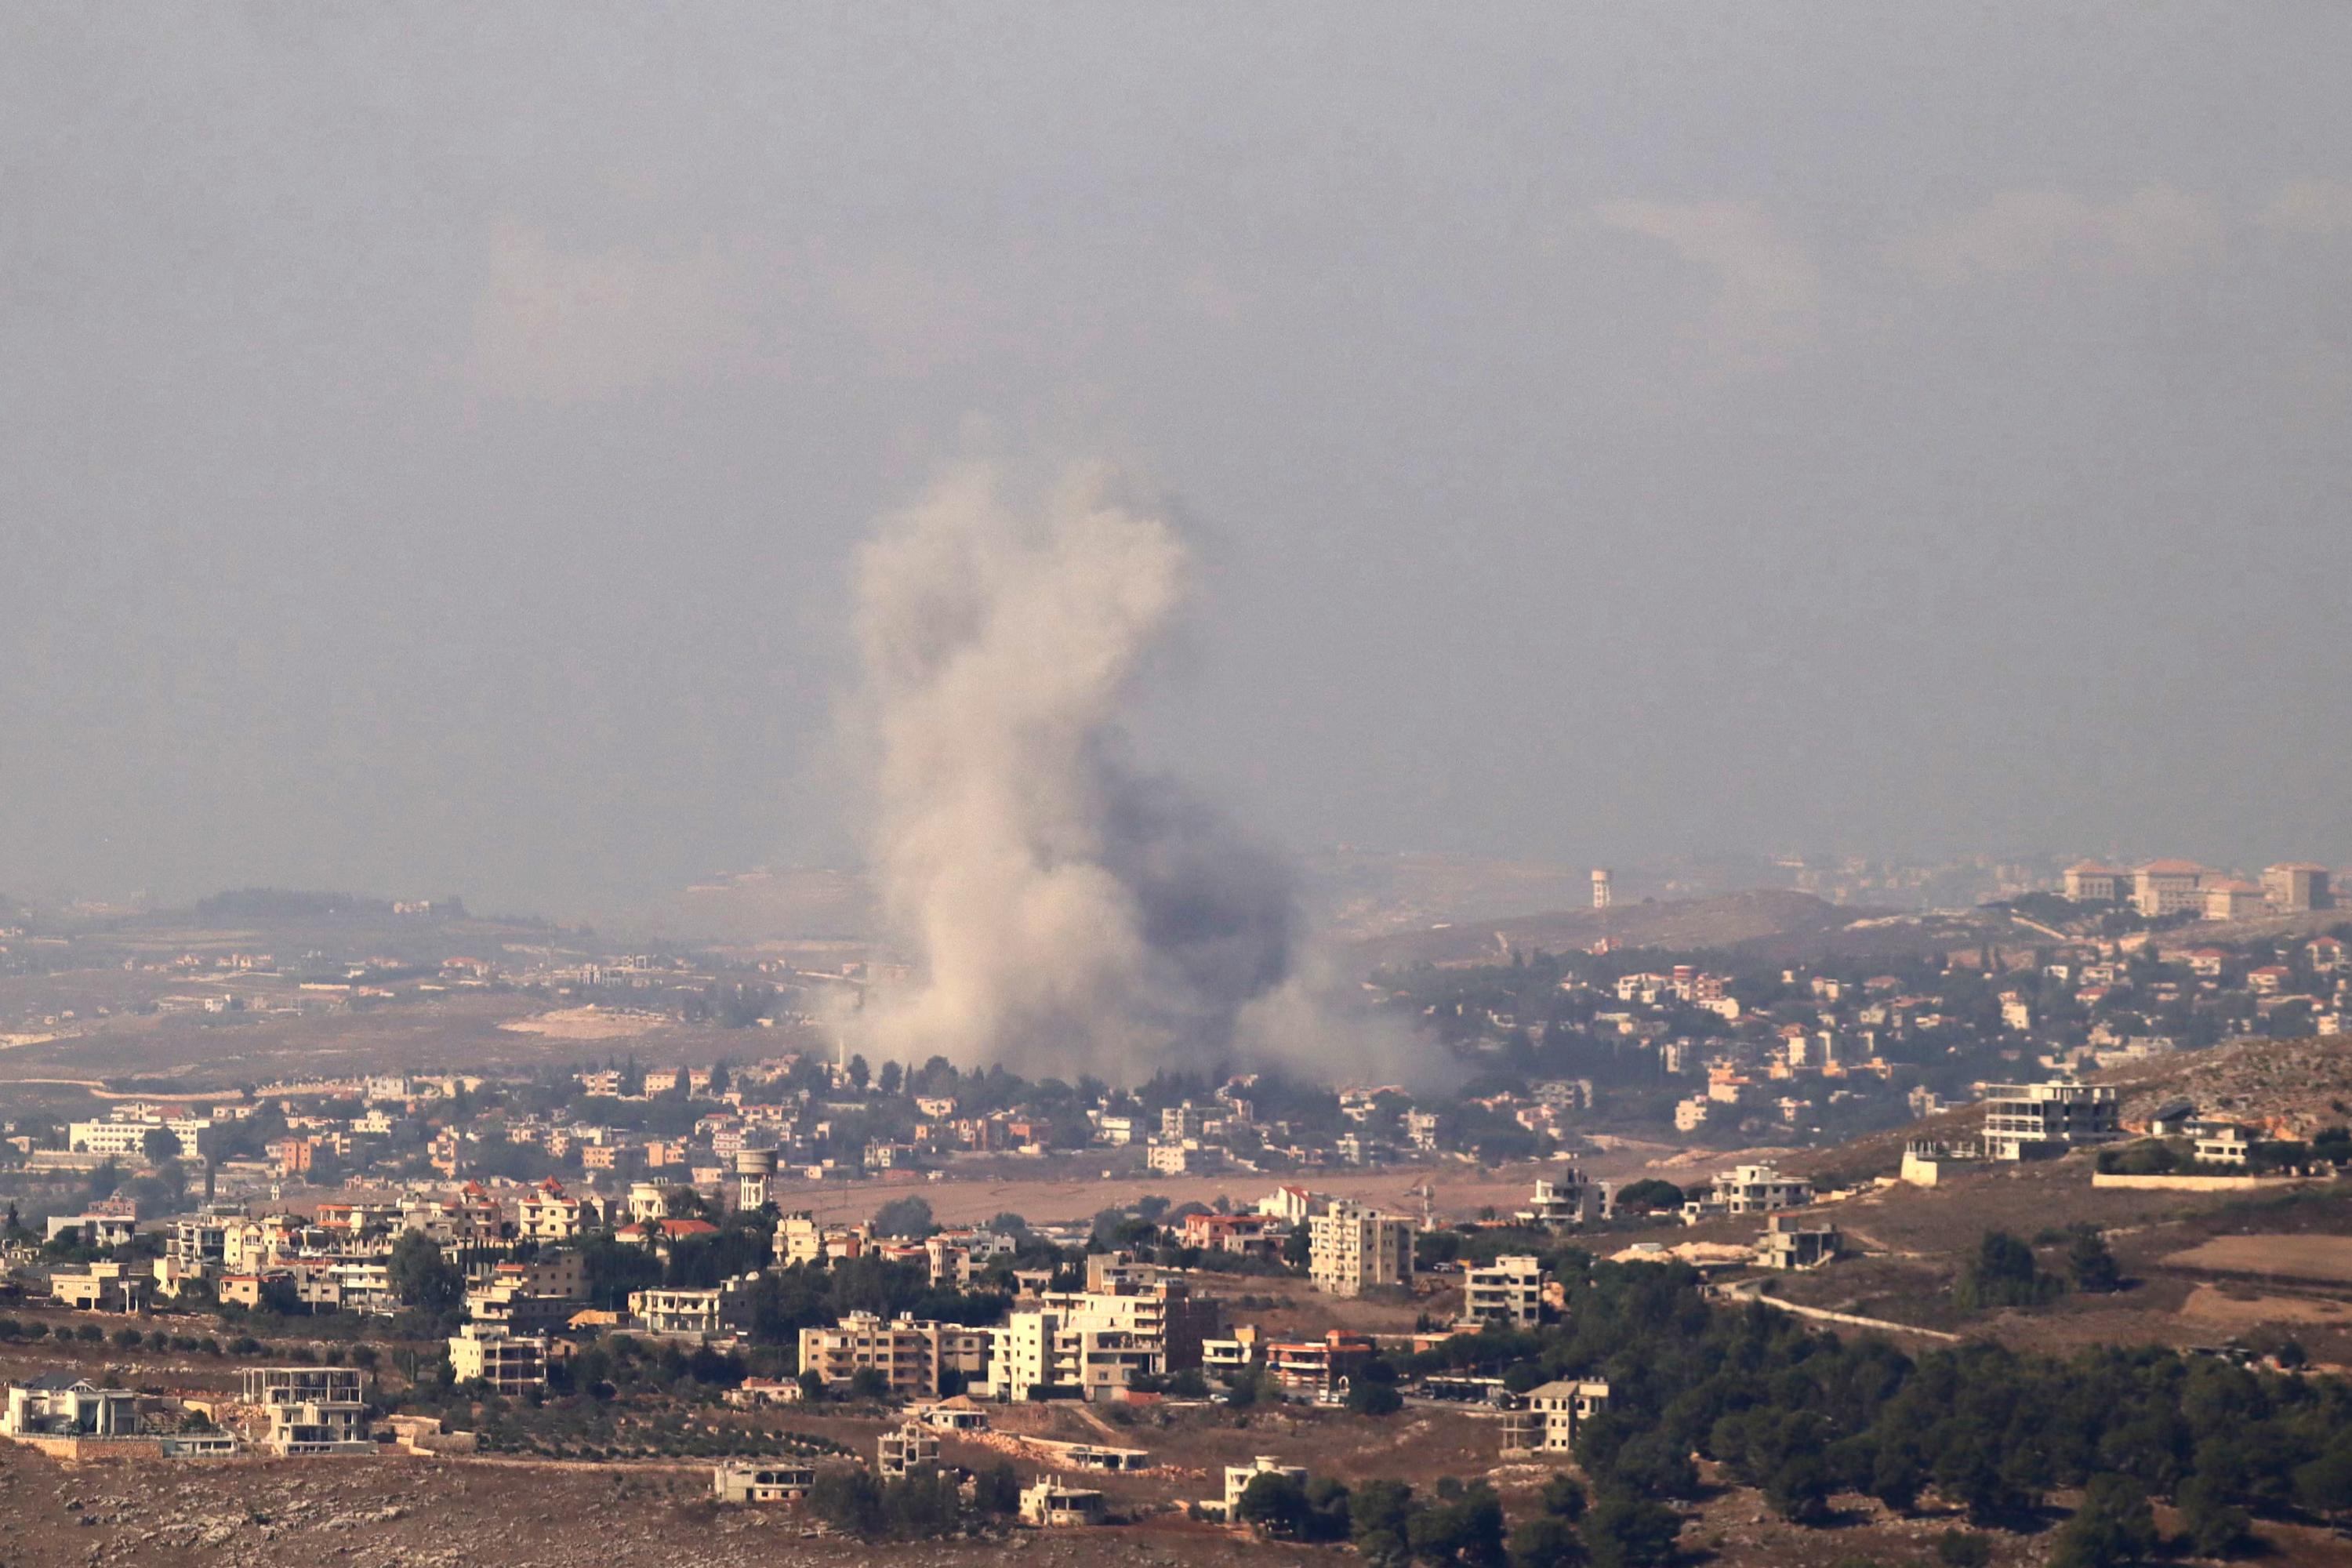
[(2041, 1120), (1319, 1369), (510, 1364), (695, 1313), (903, 1450), (909, 1354), (1508, 1291), (309, 1410), (2298, 886), (1547, 1422), (2169, 887), (2091, 882), (1353, 1249), (1759, 1189)]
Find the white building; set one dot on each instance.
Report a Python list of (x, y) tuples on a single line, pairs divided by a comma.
[(1508, 1291), (2036, 1121), (1353, 1249)]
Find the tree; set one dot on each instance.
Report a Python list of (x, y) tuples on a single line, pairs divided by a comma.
[(909, 1218), (892, 1076), (1367, 1398), (1799, 1489), (2092, 1266), (847, 1497), (2002, 1273), (1378, 1515), (858, 1071), (159, 1144), (1545, 1541), (2113, 1527), (1563, 1498), (1961, 1549), (2217, 1527), (421, 1277), (1297, 1247), (997, 1490), (1274, 1503), (1626, 1531), (1648, 1194)]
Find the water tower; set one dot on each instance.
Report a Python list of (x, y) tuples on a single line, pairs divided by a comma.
[(753, 1167)]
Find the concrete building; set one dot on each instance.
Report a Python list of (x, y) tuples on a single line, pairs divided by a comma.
[(2296, 888), (510, 1364), (1759, 1189), (1353, 1249), (2233, 899), (1547, 1419), (104, 1286), (1602, 893), (2039, 1120), (2169, 887), (1565, 1201), (1051, 1504), (908, 1354), (902, 1450), (755, 1170), (1508, 1291), (67, 1404), (1789, 1244), (1926, 1161), (1237, 1483), (761, 1480), (705, 1312), (2090, 882)]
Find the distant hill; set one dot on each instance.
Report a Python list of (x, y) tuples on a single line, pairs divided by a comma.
[(1738, 920), (2299, 1086), (262, 906)]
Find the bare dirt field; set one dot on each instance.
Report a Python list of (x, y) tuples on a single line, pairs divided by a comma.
[(2326, 1259)]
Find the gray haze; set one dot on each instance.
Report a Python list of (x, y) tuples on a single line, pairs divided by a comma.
[(434, 442)]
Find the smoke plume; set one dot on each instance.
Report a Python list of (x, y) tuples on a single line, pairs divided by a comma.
[(1069, 911)]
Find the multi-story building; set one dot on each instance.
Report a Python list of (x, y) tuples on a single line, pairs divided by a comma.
[(2233, 899), (510, 1364), (761, 1480), (701, 1313), (1353, 1249), (902, 1450), (310, 1409), (1759, 1189), (1508, 1291), (2169, 887), (908, 1354), (1546, 1422), (1788, 1243), (2036, 1121), (67, 1404), (2090, 882), (2298, 886)]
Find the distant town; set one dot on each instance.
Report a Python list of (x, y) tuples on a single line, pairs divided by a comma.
[(769, 1259)]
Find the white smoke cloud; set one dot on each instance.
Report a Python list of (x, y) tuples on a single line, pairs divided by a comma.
[(1069, 911)]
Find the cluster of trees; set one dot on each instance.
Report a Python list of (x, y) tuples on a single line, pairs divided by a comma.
[(1804, 1415), (923, 1506), (1391, 1525)]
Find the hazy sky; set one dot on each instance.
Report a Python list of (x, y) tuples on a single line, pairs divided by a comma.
[(432, 443)]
